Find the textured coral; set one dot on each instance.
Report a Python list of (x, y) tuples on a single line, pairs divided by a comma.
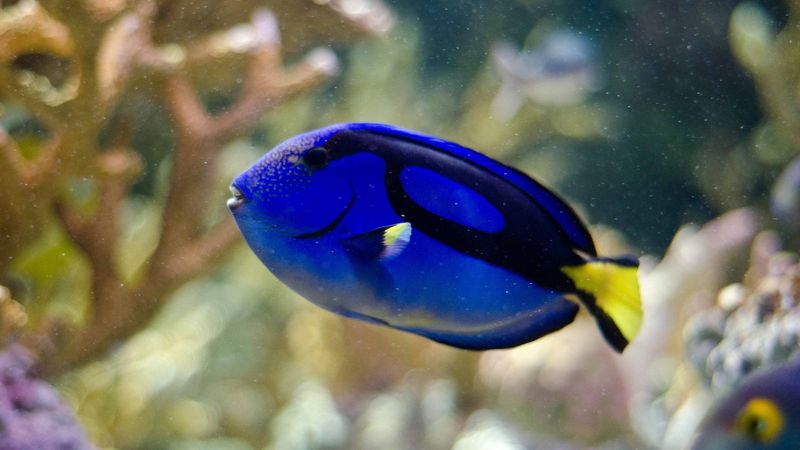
[(748, 328), (731, 332), (32, 416)]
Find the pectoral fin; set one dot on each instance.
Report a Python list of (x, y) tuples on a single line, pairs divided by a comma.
[(381, 243)]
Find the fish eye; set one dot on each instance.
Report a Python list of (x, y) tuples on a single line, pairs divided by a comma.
[(316, 158), (238, 198), (761, 420)]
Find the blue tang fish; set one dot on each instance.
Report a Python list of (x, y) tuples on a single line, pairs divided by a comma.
[(763, 413), (417, 233)]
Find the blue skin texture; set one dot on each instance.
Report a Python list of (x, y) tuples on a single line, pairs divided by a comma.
[(780, 385), (304, 224)]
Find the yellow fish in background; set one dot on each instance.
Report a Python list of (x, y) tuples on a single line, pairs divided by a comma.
[(763, 413)]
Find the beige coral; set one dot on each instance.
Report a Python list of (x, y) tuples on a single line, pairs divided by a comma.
[(113, 48)]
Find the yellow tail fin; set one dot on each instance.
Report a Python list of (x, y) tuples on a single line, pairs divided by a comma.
[(610, 290)]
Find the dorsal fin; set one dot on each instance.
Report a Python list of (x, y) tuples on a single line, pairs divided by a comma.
[(562, 213)]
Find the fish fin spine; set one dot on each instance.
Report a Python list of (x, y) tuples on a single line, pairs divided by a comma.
[(609, 288)]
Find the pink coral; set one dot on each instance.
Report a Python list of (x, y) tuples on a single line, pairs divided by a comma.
[(32, 415)]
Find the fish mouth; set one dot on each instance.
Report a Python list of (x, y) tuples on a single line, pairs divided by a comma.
[(331, 226), (237, 200)]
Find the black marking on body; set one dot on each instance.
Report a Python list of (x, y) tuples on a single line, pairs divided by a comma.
[(331, 226), (531, 244)]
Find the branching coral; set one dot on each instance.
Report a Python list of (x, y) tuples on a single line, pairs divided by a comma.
[(110, 49)]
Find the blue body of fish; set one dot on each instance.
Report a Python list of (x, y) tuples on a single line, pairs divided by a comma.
[(398, 228)]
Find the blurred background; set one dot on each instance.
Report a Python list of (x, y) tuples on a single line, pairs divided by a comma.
[(671, 126)]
